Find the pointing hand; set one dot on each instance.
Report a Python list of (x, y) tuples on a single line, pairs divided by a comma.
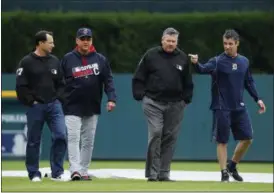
[(193, 58)]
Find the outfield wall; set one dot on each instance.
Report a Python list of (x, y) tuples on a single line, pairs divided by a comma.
[(131, 5), (122, 134)]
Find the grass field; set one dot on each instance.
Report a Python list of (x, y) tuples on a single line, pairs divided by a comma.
[(23, 184)]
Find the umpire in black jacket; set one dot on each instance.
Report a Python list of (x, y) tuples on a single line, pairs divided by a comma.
[(163, 82)]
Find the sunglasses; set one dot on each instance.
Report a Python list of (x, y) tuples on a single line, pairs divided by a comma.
[(85, 38)]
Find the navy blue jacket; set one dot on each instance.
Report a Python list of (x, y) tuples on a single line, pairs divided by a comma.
[(85, 79), (230, 76)]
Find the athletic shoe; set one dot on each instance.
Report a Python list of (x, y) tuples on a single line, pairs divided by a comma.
[(234, 173)]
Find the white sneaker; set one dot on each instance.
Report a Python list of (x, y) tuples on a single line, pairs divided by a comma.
[(36, 179), (61, 178)]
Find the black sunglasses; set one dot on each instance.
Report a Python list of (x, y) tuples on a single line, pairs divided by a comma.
[(88, 38)]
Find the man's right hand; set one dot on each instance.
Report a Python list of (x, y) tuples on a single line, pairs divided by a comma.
[(110, 106), (35, 102), (262, 107), (193, 58)]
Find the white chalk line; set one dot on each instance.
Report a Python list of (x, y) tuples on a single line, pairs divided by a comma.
[(140, 175)]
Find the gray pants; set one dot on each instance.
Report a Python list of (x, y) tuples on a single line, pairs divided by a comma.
[(164, 120), (81, 135)]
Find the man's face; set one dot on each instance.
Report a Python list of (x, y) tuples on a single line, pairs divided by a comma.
[(84, 43), (169, 42), (47, 45), (230, 46)]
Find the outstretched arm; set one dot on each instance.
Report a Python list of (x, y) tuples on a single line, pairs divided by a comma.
[(206, 68)]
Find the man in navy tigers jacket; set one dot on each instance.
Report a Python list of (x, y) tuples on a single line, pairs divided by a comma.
[(230, 76), (86, 73)]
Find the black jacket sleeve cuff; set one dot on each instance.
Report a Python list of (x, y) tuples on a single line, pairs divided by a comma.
[(138, 97), (187, 101)]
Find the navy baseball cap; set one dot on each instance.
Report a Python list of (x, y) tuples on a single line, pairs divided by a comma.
[(84, 32)]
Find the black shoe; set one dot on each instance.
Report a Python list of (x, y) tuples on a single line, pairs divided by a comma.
[(75, 176), (152, 180), (166, 180), (234, 173), (86, 178), (225, 176)]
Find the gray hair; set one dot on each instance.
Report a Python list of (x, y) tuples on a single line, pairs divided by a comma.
[(170, 31), (231, 33)]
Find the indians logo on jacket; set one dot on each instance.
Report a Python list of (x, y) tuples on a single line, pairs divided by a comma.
[(82, 71)]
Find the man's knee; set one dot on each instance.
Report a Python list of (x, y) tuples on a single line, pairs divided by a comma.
[(222, 139), (60, 131), (155, 138), (247, 141), (60, 134), (155, 133), (34, 143), (221, 144), (170, 137)]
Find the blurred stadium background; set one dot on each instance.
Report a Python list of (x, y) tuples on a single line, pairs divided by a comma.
[(123, 31)]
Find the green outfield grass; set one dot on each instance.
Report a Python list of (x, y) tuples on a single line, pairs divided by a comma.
[(23, 184)]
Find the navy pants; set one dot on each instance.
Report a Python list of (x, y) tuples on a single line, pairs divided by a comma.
[(53, 115)]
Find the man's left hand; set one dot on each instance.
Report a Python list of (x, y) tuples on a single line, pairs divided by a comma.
[(261, 106), (110, 106)]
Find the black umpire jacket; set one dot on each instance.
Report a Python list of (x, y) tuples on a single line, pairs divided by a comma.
[(163, 76)]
